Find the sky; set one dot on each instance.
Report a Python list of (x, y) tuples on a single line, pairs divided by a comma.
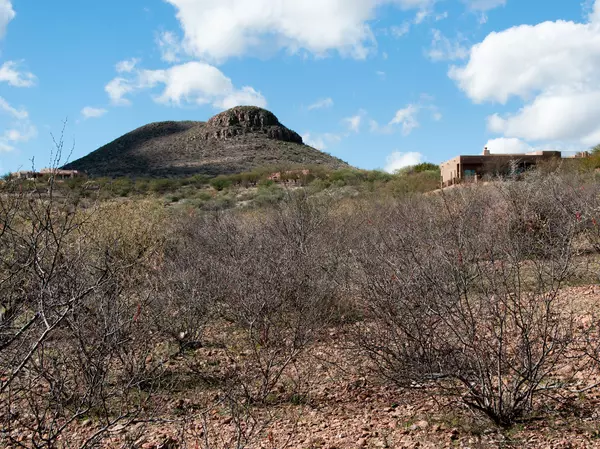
[(381, 84)]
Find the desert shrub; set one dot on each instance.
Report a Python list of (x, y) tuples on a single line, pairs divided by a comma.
[(269, 195), (277, 277), (221, 182), (141, 186), (377, 176), (318, 185), (219, 203), (265, 183), (162, 185), (197, 180), (413, 183), (347, 176), (456, 295), (121, 186), (187, 290), (72, 340), (250, 178)]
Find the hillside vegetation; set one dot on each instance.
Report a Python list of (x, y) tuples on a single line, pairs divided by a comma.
[(246, 190)]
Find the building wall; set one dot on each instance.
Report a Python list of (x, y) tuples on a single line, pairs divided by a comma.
[(450, 171), (453, 171)]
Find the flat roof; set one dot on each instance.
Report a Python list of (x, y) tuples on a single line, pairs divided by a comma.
[(481, 157)]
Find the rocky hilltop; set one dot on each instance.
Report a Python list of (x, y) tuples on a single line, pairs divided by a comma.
[(248, 120), (234, 141)]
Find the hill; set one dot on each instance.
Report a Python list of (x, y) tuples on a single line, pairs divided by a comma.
[(234, 141)]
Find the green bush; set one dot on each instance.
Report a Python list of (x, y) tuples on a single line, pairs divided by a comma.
[(265, 183), (269, 195), (347, 176), (414, 183), (197, 180), (162, 185), (141, 186), (221, 182), (121, 186), (425, 166), (219, 203)]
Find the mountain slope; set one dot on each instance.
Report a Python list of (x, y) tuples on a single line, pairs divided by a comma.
[(237, 140)]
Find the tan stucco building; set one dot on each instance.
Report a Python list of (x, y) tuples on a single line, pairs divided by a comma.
[(463, 168)]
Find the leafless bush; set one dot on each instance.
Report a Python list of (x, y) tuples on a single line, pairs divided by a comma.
[(187, 289), (463, 289), (71, 340), (277, 278)]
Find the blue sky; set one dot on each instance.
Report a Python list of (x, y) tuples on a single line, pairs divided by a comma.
[(378, 83)]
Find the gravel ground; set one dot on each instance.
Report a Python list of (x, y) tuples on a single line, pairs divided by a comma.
[(349, 408)]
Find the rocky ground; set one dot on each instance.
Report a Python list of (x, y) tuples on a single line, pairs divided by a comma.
[(349, 408)]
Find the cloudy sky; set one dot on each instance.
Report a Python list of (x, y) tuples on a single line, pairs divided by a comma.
[(378, 83)]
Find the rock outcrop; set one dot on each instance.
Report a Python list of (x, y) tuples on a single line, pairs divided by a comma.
[(249, 120)]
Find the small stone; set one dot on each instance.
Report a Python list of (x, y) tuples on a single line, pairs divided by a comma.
[(422, 424)]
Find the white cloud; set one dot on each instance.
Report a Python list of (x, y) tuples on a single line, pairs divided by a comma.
[(10, 73), (376, 128), (169, 46), (321, 141), (127, 66), (594, 15), (18, 129), (189, 83), (246, 96), (90, 112), (421, 16), (407, 117), (399, 31), (217, 30), (484, 5), (21, 130), (553, 67), (353, 123), (554, 116), (19, 114), (525, 60), (321, 104), (503, 145), (7, 13), (117, 88), (21, 133), (398, 160), (443, 49)]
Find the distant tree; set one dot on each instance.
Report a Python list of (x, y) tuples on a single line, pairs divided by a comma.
[(593, 161), (221, 182), (426, 166), (419, 168)]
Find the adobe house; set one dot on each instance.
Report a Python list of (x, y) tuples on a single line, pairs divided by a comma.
[(57, 173), (463, 168), (25, 174), (61, 174)]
